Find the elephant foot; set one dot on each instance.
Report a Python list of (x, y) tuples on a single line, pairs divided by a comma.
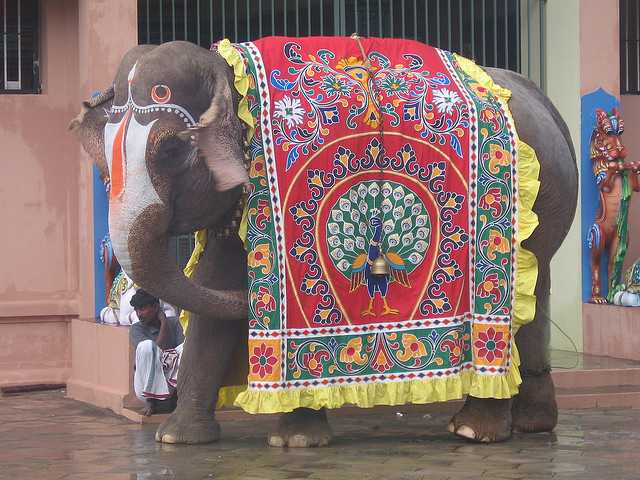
[(535, 408), (188, 428), (483, 420), (302, 428)]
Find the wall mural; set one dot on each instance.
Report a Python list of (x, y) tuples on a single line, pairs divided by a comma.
[(100, 240), (609, 180)]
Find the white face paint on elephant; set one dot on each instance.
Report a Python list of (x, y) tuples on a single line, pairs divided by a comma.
[(125, 146)]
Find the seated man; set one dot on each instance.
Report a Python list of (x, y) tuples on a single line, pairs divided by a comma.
[(119, 310), (158, 342)]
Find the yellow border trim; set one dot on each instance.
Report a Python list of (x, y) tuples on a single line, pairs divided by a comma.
[(373, 394), (528, 167), (227, 395), (190, 268), (240, 81)]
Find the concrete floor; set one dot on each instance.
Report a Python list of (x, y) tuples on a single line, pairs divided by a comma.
[(46, 436)]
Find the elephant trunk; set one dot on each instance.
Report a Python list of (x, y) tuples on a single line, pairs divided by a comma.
[(143, 251)]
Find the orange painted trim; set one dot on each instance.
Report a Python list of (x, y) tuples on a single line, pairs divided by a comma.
[(118, 160)]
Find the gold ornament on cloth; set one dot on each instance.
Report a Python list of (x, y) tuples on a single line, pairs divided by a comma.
[(380, 267)]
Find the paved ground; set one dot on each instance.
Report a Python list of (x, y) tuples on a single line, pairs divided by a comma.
[(45, 436)]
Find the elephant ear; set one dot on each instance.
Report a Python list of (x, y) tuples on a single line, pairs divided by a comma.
[(89, 124), (219, 137)]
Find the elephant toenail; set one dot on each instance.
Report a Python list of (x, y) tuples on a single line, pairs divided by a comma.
[(466, 432), (276, 441), (324, 441), (298, 441)]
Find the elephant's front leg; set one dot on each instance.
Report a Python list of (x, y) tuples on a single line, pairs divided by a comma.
[(206, 356), (302, 428), (208, 350)]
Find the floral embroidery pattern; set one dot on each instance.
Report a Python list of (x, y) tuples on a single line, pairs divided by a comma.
[(312, 362), (262, 213), (334, 85), (498, 157), (456, 346), (260, 257), (493, 200), (262, 360), (318, 87), (290, 110), (445, 100), (413, 348), (491, 289), (351, 353), (382, 362), (495, 244), (490, 345), (263, 300)]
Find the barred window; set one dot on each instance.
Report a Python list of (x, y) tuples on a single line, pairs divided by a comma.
[(491, 32), (629, 47), (19, 46), (500, 33)]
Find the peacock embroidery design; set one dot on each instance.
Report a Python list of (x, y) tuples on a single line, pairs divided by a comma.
[(368, 222)]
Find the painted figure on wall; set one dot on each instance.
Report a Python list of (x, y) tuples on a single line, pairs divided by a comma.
[(628, 295), (119, 289), (111, 266), (616, 178)]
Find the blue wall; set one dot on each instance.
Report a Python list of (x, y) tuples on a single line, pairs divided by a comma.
[(100, 230), (589, 193)]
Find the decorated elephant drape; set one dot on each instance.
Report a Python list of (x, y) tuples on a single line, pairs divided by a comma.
[(365, 149)]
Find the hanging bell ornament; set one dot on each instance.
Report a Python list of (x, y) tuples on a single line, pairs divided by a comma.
[(380, 266)]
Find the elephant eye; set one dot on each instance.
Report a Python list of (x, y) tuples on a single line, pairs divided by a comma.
[(161, 94), (173, 154)]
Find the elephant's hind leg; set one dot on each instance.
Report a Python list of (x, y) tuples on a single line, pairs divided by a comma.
[(535, 408), (483, 420), (302, 428)]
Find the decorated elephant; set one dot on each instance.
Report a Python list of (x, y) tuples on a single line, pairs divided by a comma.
[(388, 178)]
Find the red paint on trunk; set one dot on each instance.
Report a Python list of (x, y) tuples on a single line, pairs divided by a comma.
[(119, 158)]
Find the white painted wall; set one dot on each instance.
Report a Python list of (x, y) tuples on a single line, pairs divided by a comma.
[(563, 87)]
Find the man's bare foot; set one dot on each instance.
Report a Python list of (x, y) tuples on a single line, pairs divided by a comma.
[(150, 407)]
